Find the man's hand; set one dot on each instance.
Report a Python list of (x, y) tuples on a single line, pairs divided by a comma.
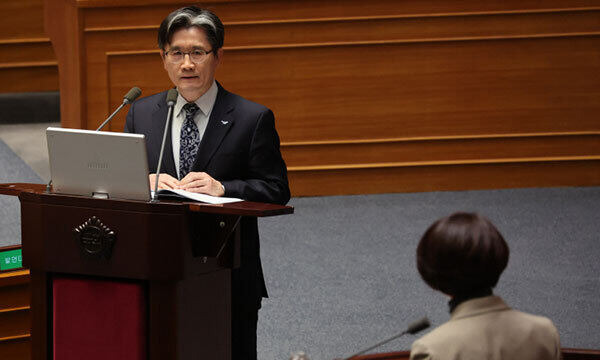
[(201, 182), (165, 181)]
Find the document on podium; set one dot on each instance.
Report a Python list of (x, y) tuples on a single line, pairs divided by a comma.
[(182, 194)]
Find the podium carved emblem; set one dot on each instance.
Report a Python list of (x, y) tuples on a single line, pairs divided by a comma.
[(95, 239)]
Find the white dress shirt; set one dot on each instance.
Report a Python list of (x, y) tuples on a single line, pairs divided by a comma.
[(205, 103)]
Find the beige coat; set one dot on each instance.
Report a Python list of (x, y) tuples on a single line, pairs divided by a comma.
[(486, 328)]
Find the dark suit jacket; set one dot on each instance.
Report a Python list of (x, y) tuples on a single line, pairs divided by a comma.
[(240, 148)]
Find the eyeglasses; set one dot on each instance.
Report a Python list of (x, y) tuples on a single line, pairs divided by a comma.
[(196, 56)]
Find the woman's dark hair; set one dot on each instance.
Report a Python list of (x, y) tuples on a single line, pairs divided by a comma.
[(461, 254), (190, 16)]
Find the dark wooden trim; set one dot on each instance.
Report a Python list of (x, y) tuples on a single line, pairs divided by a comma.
[(567, 354), (580, 354), (398, 355), (41, 302), (37, 193), (15, 189), (10, 247), (243, 208), (14, 277)]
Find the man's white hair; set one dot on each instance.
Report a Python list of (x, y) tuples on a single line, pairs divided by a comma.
[(197, 20)]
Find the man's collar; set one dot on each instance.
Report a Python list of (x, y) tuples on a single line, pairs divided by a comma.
[(205, 102)]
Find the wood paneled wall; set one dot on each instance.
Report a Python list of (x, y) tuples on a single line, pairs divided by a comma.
[(15, 316), (27, 61), (389, 96)]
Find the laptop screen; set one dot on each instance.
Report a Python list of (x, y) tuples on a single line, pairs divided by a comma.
[(98, 163)]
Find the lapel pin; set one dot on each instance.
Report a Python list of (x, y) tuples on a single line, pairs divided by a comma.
[(224, 122)]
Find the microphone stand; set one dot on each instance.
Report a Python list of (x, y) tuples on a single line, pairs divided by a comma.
[(413, 328), (125, 102), (375, 346), (170, 105), (131, 95)]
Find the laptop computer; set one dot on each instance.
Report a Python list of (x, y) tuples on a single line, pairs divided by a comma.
[(98, 163)]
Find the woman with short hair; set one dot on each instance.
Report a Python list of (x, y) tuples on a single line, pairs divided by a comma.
[(463, 255)]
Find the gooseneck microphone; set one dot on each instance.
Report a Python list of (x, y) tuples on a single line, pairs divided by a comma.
[(127, 99), (413, 328), (171, 99)]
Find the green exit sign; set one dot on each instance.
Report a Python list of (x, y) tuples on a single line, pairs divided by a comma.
[(11, 259)]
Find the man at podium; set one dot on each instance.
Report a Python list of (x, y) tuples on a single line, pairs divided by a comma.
[(218, 144)]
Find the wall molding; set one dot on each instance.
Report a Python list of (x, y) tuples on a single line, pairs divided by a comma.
[(24, 41), (413, 41), (13, 338), (378, 42), (29, 64), (413, 16), (119, 28), (366, 18), (15, 309), (443, 163), (440, 138)]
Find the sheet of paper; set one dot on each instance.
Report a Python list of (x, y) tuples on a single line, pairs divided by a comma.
[(201, 197)]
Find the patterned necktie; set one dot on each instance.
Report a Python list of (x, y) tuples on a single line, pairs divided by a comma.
[(190, 140)]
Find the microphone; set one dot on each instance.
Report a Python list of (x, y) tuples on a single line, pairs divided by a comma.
[(171, 99), (413, 328), (127, 99), (418, 326)]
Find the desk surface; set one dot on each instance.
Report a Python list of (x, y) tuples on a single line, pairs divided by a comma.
[(243, 208)]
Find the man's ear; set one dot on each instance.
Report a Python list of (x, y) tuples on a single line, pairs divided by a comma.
[(219, 55), (164, 60)]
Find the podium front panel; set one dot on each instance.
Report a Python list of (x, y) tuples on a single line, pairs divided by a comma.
[(98, 319)]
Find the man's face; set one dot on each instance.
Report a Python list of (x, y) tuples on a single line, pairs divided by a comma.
[(191, 79)]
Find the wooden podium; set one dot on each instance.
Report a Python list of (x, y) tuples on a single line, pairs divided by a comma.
[(168, 264)]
